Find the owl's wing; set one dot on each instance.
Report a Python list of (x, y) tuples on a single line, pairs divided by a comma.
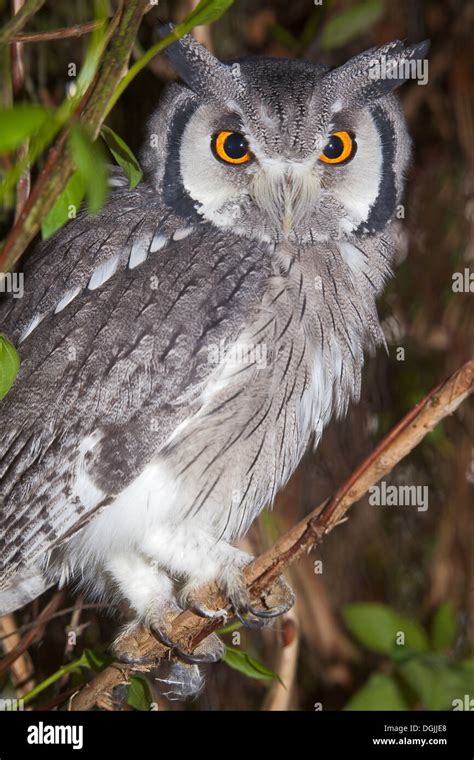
[(121, 317)]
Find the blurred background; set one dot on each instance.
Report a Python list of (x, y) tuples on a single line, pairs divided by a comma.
[(384, 561)]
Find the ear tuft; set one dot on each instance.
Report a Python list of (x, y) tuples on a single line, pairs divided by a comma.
[(200, 70), (378, 71)]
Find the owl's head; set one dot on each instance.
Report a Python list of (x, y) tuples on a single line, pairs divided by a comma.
[(277, 148)]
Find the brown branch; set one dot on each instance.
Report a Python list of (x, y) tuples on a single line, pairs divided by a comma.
[(19, 20), (280, 693), (188, 629), (23, 186), (35, 632), (18, 62), (22, 669), (61, 613), (58, 34)]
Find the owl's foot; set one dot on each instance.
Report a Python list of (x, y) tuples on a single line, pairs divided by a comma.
[(242, 613), (194, 604), (210, 650), (177, 680), (273, 602), (132, 645), (232, 587)]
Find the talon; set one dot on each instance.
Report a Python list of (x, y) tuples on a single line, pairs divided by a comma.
[(278, 600), (189, 658), (248, 622), (206, 612), (163, 638), (207, 651), (211, 649), (192, 602), (266, 614), (131, 648), (195, 659)]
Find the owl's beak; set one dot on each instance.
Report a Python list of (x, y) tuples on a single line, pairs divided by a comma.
[(287, 193)]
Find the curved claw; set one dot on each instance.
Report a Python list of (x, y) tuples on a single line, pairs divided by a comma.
[(207, 613), (162, 637), (253, 625), (193, 603), (268, 614), (237, 611), (191, 658), (282, 594), (126, 648)]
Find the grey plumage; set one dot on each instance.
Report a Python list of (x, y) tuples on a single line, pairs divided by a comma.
[(180, 350)]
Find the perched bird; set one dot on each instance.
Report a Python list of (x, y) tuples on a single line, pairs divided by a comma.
[(180, 349)]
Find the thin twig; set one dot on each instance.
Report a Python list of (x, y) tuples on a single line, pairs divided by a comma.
[(35, 632), (61, 613), (280, 693), (73, 626), (22, 669), (18, 21), (188, 629), (18, 62), (23, 186), (58, 34)]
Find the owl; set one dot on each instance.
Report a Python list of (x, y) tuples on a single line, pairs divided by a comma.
[(182, 349)]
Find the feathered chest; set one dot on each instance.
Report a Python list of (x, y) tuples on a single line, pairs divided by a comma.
[(297, 361)]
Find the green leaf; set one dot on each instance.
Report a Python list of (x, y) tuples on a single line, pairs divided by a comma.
[(138, 694), (65, 206), (19, 123), (9, 364), (123, 155), (444, 628), (380, 692), (351, 23), (90, 164), (377, 627), (435, 682), (58, 118), (207, 11), (247, 665), (88, 659)]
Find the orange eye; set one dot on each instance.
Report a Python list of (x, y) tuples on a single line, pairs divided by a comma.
[(339, 148), (231, 147)]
